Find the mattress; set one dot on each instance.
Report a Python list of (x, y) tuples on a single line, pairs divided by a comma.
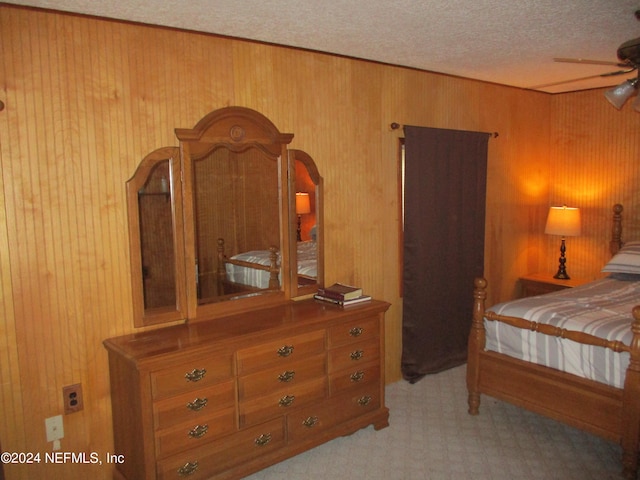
[(601, 308)]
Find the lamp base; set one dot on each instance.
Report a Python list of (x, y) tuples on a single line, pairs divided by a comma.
[(562, 275), (562, 271)]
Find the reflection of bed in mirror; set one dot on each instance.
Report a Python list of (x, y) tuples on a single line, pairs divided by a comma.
[(257, 270), (307, 263)]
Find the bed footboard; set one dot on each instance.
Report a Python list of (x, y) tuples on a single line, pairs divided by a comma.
[(606, 411)]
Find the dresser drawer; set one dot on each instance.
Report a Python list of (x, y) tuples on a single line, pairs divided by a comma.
[(353, 378), (281, 352), (278, 403), (354, 330), (193, 406), (361, 400), (192, 434), (203, 462), (312, 420), (277, 378), (352, 355), (191, 376)]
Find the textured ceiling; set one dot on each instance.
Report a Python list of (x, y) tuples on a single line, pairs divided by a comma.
[(508, 42)]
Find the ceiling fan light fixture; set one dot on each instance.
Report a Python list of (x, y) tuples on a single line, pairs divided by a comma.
[(620, 94)]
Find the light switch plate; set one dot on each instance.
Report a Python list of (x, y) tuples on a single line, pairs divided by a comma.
[(55, 429)]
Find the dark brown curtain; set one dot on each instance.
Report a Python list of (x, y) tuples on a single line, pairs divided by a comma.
[(444, 201)]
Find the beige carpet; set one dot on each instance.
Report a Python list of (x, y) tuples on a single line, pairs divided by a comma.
[(432, 437)]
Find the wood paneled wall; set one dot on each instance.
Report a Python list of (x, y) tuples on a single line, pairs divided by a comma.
[(595, 162), (86, 99)]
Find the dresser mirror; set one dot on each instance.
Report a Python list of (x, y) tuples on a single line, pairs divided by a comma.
[(309, 223), (156, 239), (236, 215), (213, 224)]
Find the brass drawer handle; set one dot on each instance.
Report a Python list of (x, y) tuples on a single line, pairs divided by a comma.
[(286, 376), (195, 375), (357, 355), (197, 405), (356, 331), (285, 350), (287, 400), (310, 422), (357, 376), (263, 439), (188, 468), (198, 431), (364, 401)]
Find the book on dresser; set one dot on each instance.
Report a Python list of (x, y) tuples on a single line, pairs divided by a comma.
[(340, 292), (343, 303)]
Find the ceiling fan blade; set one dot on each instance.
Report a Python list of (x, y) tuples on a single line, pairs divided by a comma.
[(553, 84), (589, 62), (618, 72)]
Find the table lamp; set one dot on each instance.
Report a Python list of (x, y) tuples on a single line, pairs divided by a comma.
[(564, 221)]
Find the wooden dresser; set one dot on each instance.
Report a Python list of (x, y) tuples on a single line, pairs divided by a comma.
[(224, 398)]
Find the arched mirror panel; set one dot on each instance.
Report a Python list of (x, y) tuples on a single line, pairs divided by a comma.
[(156, 239), (238, 247), (237, 224), (309, 227)]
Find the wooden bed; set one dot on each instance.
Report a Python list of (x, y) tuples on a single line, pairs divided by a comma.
[(604, 410)]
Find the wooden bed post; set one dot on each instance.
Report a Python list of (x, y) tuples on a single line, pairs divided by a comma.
[(616, 230), (631, 404), (476, 345), (274, 269)]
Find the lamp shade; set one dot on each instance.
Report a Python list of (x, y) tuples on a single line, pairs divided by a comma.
[(620, 94), (302, 203), (563, 221)]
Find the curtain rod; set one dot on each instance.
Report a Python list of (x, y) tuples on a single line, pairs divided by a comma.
[(395, 126)]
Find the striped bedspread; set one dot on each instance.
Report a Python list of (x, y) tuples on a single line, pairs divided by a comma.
[(601, 308)]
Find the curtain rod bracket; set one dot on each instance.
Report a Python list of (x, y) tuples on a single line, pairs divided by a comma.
[(396, 126)]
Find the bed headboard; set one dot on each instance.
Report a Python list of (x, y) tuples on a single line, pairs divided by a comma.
[(616, 230)]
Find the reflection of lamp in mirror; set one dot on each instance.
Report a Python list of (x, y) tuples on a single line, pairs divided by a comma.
[(302, 208), (564, 221)]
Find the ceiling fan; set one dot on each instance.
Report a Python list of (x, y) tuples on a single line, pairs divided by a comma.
[(629, 60), (628, 54)]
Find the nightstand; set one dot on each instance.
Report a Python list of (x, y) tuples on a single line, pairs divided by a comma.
[(540, 283)]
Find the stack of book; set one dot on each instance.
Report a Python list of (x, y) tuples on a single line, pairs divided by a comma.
[(341, 294)]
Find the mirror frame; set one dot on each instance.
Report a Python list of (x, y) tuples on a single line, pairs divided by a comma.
[(150, 316), (237, 129), (314, 174)]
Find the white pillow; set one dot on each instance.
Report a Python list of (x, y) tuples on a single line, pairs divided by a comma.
[(627, 260)]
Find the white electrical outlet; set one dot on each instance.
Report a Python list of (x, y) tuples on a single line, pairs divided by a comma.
[(55, 429)]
